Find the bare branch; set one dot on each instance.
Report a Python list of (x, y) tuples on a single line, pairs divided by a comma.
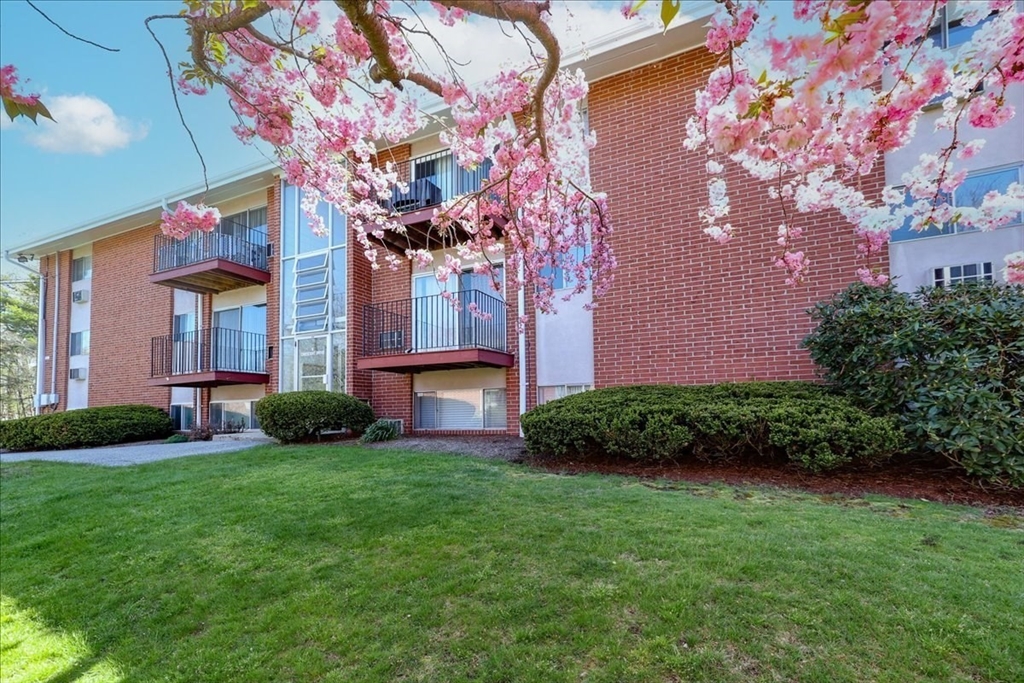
[(174, 93), (69, 33)]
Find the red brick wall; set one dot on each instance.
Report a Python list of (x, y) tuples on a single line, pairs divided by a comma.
[(392, 392), (127, 312), (48, 269), (684, 309)]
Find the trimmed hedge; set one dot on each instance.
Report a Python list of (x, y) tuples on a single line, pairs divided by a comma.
[(947, 362), (298, 416), (86, 428), (797, 421)]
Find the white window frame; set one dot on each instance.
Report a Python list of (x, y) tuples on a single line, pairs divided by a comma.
[(78, 274), (83, 343), (943, 277)]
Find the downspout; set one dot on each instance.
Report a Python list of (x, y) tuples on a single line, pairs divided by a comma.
[(40, 332), (40, 346), (56, 328), (523, 375)]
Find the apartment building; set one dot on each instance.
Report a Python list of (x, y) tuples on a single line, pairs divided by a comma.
[(206, 326)]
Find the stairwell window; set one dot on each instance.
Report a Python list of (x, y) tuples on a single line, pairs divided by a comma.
[(950, 30)]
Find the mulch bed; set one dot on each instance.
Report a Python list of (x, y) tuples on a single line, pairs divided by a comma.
[(931, 481)]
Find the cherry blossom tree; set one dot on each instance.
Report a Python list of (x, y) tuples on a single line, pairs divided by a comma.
[(333, 86)]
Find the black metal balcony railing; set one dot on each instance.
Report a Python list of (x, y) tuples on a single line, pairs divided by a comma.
[(432, 323), (208, 350), (230, 241), (433, 179)]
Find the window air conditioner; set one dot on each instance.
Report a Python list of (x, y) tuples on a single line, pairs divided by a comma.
[(81, 296), (78, 373)]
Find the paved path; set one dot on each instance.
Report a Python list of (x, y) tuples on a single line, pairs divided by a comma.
[(136, 455)]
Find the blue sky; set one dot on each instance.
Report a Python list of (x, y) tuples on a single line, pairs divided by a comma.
[(118, 141), (98, 162)]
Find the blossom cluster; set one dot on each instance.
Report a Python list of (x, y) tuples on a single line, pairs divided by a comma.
[(811, 113), (187, 218), (320, 98), (8, 82)]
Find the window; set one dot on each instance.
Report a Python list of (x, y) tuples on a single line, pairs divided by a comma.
[(950, 30), (968, 272), (233, 415), (550, 393), (79, 343), (969, 194), (460, 409), (81, 268), (561, 278), (183, 417)]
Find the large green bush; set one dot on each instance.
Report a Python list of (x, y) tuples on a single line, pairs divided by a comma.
[(298, 416), (948, 362), (85, 428), (797, 421)]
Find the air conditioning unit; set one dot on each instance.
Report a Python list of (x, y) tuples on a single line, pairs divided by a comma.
[(81, 296), (78, 373)]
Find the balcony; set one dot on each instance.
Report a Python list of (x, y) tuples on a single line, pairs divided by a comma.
[(231, 257), (209, 357), (432, 180), (429, 333)]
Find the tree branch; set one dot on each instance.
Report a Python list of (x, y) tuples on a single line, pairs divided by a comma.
[(69, 33)]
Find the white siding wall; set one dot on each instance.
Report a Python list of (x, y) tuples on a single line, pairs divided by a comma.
[(80, 321), (913, 261)]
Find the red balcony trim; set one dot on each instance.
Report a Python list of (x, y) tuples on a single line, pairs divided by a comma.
[(214, 378), (437, 360), (219, 266)]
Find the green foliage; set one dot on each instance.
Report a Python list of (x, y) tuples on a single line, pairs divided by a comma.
[(381, 430), (19, 317), (85, 428), (794, 420), (299, 416), (948, 362), (177, 438)]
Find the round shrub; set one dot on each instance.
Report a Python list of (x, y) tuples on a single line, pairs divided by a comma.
[(797, 421), (299, 416), (948, 362), (86, 428)]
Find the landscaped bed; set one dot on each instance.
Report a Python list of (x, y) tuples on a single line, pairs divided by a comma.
[(338, 563)]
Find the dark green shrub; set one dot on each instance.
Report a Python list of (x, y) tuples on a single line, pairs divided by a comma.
[(85, 428), (797, 421), (177, 438), (381, 430), (949, 363), (299, 416)]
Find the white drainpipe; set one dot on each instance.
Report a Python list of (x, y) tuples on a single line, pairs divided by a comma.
[(56, 327), (523, 374)]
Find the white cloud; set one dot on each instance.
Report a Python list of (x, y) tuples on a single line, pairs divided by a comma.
[(83, 125)]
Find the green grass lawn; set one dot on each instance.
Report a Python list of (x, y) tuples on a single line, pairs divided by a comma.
[(344, 564)]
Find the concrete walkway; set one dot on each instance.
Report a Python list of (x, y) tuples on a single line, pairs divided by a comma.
[(137, 454)]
